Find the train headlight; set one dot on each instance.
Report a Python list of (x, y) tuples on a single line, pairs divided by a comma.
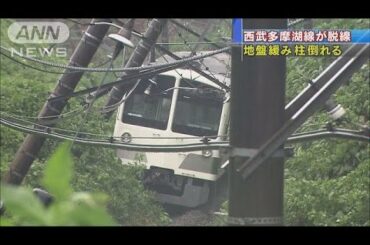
[(207, 153), (126, 137)]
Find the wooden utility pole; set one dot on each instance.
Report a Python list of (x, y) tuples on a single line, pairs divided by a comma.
[(257, 112), (81, 57), (137, 58), (165, 37)]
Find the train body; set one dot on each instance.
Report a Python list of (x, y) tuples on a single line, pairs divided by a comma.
[(176, 107)]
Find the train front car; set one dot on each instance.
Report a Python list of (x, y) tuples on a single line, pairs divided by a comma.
[(176, 107)]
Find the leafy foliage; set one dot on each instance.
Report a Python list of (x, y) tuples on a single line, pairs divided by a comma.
[(58, 173), (327, 181), (68, 208), (339, 201)]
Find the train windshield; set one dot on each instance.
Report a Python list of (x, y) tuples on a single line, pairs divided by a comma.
[(150, 103), (198, 109)]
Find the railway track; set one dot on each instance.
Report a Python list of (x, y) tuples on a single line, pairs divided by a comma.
[(203, 215)]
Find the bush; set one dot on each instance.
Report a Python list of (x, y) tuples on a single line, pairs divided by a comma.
[(67, 208)]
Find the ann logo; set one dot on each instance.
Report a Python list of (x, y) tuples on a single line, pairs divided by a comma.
[(38, 32)]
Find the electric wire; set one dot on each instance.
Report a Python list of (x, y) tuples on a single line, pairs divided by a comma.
[(95, 23), (125, 79), (47, 71), (69, 131), (102, 82), (341, 133), (187, 43), (193, 52), (87, 69), (112, 107), (90, 104), (119, 27), (52, 119)]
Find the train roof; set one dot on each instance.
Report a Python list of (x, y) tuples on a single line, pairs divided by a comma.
[(218, 67)]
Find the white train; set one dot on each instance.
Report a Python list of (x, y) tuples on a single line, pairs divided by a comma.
[(177, 107)]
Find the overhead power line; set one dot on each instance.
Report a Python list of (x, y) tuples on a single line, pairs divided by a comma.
[(89, 69), (46, 70), (115, 142)]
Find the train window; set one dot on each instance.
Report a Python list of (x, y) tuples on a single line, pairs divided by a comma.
[(198, 111), (150, 103)]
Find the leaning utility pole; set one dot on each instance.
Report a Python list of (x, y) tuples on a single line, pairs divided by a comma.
[(257, 112), (165, 38), (81, 57), (137, 58)]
